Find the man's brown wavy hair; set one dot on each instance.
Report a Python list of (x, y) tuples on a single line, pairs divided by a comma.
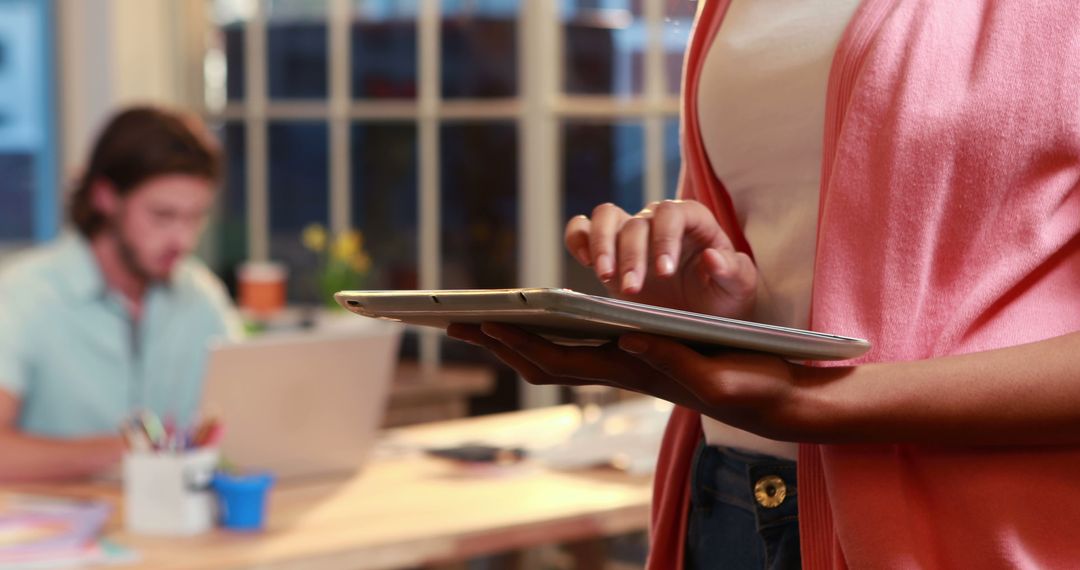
[(136, 145)]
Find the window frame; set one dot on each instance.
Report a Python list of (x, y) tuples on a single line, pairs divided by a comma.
[(539, 108)]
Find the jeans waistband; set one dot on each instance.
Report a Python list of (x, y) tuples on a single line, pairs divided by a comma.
[(730, 475)]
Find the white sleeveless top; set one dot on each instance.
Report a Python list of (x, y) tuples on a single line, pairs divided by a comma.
[(761, 107)]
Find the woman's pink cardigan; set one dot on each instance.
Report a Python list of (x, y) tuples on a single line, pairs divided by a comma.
[(949, 223)]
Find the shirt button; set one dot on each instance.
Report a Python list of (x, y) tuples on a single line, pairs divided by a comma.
[(770, 491)]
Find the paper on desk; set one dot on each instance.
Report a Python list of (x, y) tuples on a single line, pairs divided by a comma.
[(47, 532), (98, 553), (626, 435)]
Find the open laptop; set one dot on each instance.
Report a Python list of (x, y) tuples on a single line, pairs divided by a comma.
[(303, 404)]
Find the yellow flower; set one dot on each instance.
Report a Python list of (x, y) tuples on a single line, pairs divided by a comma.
[(314, 237), (360, 263), (348, 245)]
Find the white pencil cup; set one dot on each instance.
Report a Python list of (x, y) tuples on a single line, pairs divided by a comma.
[(169, 493)]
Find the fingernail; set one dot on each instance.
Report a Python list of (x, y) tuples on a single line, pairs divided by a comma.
[(635, 345), (583, 257), (630, 281), (603, 266), (665, 264)]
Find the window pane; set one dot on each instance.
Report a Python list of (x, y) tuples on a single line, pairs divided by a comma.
[(604, 47), (606, 40), (479, 48), (602, 162), (296, 49), (678, 20), (231, 227), (384, 49), (672, 158), (234, 62), (384, 201), (479, 173), (16, 196), (299, 185)]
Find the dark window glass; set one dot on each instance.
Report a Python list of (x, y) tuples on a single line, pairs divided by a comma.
[(672, 158), (299, 186), (604, 43), (678, 21), (501, 8), (16, 196), (384, 49), (232, 227), (479, 174), (479, 48), (296, 49), (384, 201), (233, 43), (602, 162)]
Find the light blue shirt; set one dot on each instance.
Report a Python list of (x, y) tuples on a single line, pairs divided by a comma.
[(78, 362)]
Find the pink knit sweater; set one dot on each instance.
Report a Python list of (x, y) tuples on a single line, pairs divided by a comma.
[(949, 224)]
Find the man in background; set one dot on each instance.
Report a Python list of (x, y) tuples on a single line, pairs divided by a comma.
[(115, 317)]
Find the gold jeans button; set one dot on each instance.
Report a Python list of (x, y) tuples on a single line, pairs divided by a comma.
[(770, 491)]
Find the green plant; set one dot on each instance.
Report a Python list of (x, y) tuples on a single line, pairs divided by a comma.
[(343, 262)]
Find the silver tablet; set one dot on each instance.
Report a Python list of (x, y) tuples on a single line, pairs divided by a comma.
[(569, 317)]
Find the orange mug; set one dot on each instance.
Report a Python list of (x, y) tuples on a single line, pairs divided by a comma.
[(261, 287)]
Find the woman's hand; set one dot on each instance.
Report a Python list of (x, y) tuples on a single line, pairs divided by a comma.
[(671, 254), (1020, 395), (752, 391)]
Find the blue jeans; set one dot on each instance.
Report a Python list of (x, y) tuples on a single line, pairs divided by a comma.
[(731, 526)]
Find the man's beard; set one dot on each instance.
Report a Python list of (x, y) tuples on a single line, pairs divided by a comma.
[(127, 254)]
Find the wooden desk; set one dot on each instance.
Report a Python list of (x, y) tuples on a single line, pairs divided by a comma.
[(412, 510), (442, 393)]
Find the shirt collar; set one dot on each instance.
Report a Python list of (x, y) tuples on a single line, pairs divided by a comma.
[(80, 269)]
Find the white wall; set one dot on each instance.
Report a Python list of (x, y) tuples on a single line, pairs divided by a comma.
[(117, 52), (113, 53)]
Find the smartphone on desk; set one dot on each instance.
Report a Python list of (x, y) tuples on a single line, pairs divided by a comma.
[(479, 454)]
